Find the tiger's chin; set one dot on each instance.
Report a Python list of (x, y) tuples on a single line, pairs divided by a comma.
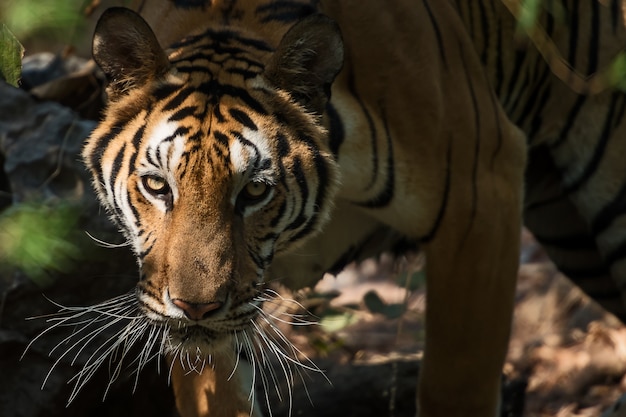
[(198, 339)]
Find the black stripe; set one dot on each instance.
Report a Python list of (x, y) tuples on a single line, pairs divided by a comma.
[(484, 24), (249, 144), (196, 137), (146, 306), (279, 214), (470, 21), (569, 122), (247, 74), (599, 150), (180, 131), (190, 4), (537, 121), (137, 138), (549, 26), (533, 105), (223, 36), (513, 81), (594, 38), (115, 170), (444, 199), (217, 90), (336, 130), (496, 114), (609, 212), (499, 76), (370, 125), (477, 137), (183, 113), (180, 97), (283, 147), (304, 193), (191, 68), (214, 52), (322, 173), (223, 154), (132, 205), (616, 14), (98, 150), (223, 139), (164, 90), (117, 164), (385, 196), (243, 118), (433, 21), (284, 11), (146, 252), (323, 181), (257, 259), (572, 25)]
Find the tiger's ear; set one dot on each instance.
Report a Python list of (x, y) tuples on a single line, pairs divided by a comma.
[(127, 51), (307, 60)]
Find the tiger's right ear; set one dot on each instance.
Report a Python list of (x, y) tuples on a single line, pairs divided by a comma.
[(127, 51)]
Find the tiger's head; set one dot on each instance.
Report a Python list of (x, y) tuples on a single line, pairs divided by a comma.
[(212, 158)]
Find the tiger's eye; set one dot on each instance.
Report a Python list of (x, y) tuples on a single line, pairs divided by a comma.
[(156, 185), (255, 190)]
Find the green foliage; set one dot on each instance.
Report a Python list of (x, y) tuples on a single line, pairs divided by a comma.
[(56, 19), (39, 239), (528, 15), (617, 72), (11, 54), (530, 10), (333, 320)]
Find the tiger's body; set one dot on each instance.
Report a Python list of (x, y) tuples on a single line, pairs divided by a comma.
[(269, 142)]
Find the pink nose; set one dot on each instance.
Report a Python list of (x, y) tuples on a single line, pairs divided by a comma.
[(197, 311)]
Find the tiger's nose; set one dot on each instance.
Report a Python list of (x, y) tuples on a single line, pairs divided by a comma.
[(197, 311)]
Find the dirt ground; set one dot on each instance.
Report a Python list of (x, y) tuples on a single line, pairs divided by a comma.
[(568, 354)]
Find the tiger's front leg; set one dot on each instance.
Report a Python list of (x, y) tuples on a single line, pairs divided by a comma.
[(471, 272), (215, 391)]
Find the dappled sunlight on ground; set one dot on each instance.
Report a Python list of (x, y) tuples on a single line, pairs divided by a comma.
[(569, 353)]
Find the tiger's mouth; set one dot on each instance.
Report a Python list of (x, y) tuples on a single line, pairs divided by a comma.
[(207, 336), (197, 338)]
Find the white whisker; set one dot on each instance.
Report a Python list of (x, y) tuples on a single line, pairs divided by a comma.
[(123, 323), (104, 244)]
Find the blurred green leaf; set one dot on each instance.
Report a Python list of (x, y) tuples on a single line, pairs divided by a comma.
[(11, 54), (529, 13), (333, 321), (617, 72), (375, 304), (57, 19), (39, 239)]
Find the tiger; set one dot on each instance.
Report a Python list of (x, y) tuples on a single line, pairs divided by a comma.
[(252, 140)]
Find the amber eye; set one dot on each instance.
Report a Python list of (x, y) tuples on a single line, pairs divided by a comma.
[(254, 191), (155, 185)]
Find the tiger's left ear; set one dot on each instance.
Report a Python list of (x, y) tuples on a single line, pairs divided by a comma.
[(307, 60), (127, 51)]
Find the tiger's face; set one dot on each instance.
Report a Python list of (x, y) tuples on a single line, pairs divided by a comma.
[(212, 158)]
